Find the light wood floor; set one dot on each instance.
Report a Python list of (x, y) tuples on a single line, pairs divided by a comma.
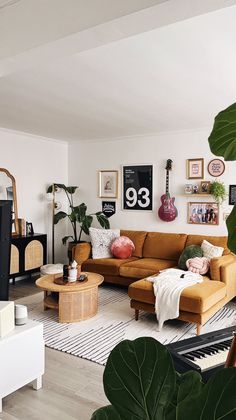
[(72, 387)]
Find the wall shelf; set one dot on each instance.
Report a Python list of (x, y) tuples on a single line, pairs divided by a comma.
[(197, 195)]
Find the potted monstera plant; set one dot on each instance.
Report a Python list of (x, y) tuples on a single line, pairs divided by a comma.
[(222, 141), (79, 219), (141, 383)]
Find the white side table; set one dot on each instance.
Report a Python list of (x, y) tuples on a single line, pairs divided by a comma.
[(21, 358)]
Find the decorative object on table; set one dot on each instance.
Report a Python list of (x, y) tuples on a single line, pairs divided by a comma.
[(7, 318), (65, 271), (77, 215), (195, 168), (216, 167), (108, 208), (122, 247), (218, 190), (191, 251), (203, 213), (137, 187), (225, 127), (72, 272), (188, 189), (232, 195), (22, 227), (8, 192), (101, 241), (195, 189), (167, 212), (205, 187), (108, 184), (21, 314), (29, 228)]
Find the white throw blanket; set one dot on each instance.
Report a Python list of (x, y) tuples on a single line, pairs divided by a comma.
[(168, 286)]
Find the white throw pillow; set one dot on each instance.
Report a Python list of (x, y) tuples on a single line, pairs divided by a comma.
[(101, 240), (210, 251)]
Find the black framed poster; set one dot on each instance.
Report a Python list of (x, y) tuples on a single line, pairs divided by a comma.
[(137, 187), (232, 195)]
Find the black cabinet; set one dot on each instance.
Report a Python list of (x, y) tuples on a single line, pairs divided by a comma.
[(28, 254)]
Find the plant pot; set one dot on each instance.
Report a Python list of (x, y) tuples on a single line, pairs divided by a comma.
[(71, 245)]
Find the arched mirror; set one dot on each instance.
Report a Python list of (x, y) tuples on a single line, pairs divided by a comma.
[(8, 192)]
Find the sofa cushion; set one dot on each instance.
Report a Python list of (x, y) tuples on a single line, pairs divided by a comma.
[(104, 265), (196, 299), (166, 246), (144, 267), (214, 240), (137, 237)]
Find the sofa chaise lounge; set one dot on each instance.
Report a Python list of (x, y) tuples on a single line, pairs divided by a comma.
[(155, 251)]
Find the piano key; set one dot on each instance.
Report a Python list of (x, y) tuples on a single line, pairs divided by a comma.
[(212, 360)]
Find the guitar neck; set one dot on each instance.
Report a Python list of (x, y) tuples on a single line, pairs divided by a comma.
[(167, 182)]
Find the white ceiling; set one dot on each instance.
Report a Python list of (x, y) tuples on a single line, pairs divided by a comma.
[(173, 78)]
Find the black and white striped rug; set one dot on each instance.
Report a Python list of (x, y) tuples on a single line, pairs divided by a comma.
[(94, 338)]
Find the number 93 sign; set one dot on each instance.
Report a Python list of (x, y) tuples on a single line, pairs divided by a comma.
[(137, 187)]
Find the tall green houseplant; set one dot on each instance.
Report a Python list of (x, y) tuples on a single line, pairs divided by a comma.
[(222, 141), (77, 215)]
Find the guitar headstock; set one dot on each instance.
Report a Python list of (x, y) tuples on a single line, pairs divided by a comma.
[(169, 164)]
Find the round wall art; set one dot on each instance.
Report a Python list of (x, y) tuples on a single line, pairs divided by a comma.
[(216, 167)]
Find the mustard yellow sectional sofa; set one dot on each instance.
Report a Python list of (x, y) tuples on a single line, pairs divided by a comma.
[(155, 251)]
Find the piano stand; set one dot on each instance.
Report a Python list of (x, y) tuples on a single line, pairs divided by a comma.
[(136, 314)]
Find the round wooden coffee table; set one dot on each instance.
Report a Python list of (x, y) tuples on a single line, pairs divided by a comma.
[(76, 301)]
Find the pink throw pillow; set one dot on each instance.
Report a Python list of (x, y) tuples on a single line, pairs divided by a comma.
[(122, 247)]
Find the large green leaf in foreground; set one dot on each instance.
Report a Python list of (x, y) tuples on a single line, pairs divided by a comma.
[(231, 226), (139, 379), (222, 139)]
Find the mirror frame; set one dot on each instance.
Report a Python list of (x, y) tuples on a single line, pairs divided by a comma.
[(16, 222)]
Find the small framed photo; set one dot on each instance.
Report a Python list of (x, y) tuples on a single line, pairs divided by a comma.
[(195, 189), (29, 228), (205, 187), (203, 213), (195, 168), (108, 184), (216, 167), (188, 189), (232, 195)]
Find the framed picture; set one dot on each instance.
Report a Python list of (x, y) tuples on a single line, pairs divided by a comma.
[(216, 167), (203, 213), (232, 195), (195, 168), (108, 184), (29, 228), (205, 187), (137, 187)]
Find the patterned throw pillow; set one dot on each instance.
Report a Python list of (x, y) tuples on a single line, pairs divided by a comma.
[(122, 247), (101, 240), (210, 251)]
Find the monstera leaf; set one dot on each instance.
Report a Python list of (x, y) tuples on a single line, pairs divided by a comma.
[(222, 139)]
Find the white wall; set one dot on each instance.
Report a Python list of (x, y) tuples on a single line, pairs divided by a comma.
[(86, 159), (35, 163)]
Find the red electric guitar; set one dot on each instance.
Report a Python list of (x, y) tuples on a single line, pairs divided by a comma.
[(167, 212)]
